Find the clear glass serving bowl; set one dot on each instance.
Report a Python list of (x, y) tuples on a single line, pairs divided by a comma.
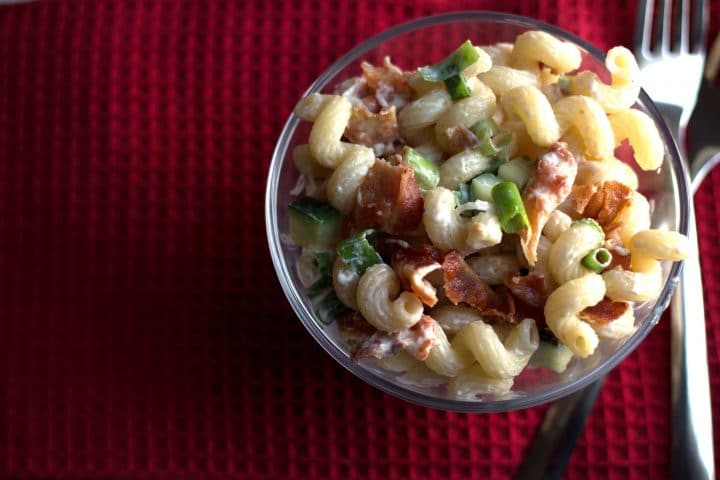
[(426, 41)]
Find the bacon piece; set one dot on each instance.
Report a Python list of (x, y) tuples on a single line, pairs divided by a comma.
[(413, 265), (549, 186), (463, 285), (461, 138), (581, 195), (417, 340), (353, 328), (529, 289), (371, 129), (604, 312), (602, 202), (388, 83), (389, 199)]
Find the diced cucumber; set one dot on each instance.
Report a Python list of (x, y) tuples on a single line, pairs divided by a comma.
[(314, 223), (427, 173), (554, 356), (323, 261), (482, 185), (319, 287), (518, 170), (357, 253)]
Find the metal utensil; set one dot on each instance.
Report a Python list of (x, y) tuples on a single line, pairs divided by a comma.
[(678, 53), (692, 420), (703, 141)]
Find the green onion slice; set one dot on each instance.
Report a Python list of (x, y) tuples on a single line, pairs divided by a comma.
[(591, 222), (457, 87), (597, 260), (427, 173), (485, 128), (357, 252), (453, 65), (462, 194), (509, 207), (563, 83)]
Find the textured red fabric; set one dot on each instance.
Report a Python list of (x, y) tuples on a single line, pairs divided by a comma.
[(143, 330)]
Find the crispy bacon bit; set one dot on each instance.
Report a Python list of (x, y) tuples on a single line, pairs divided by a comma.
[(387, 82), (463, 285), (529, 289), (461, 138), (353, 328), (417, 340), (374, 129), (604, 312), (412, 265), (389, 199), (549, 186), (602, 202), (580, 196)]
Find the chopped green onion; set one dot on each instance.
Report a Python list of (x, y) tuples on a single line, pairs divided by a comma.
[(427, 173), (495, 148), (457, 87), (518, 170), (329, 308), (357, 252), (469, 213), (591, 222), (323, 261), (563, 83), (453, 65), (484, 128), (597, 260), (462, 194), (482, 185), (509, 207), (314, 223)]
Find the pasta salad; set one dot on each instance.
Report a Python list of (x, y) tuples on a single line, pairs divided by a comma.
[(470, 218)]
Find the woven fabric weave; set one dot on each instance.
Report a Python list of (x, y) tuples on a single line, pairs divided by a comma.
[(144, 333)]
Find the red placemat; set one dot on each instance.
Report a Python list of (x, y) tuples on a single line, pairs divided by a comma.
[(144, 332)]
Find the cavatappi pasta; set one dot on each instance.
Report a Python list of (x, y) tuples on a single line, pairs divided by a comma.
[(469, 219)]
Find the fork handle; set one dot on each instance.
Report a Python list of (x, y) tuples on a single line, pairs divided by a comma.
[(692, 436)]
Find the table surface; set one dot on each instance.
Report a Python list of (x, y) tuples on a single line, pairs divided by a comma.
[(144, 332)]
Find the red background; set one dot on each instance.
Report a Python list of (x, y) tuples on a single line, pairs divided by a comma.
[(142, 329)]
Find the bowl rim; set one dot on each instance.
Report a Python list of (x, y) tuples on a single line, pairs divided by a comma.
[(682, 196)]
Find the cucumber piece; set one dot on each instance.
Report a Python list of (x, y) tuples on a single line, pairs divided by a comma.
[(314, 223), (323, 261), (518, 170), (482, 185), (554, 356)]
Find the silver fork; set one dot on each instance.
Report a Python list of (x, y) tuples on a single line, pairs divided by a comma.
[(678, 53)]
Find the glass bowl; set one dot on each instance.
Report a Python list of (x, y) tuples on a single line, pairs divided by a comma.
[(426, 41)]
